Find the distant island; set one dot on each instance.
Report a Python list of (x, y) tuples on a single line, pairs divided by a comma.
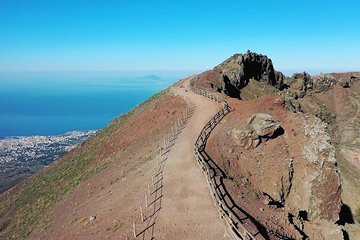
[(151, 77)]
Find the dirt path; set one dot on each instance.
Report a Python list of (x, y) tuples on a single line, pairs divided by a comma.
[(188, 211)]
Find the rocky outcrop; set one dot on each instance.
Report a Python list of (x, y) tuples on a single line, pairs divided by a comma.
[(347, 81), (260, 127), (240, 68), (316, 186), (235, 73), (299, 84), (324, 230), (323, 83), (292, 104), (296, 87)]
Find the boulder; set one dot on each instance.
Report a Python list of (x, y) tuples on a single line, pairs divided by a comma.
[(246, 138), (261, 126), (264, 124)]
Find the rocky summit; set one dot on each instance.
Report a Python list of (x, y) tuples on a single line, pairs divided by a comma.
[(235, 73)]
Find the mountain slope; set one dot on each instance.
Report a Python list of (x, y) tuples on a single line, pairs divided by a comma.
[(127, 144)]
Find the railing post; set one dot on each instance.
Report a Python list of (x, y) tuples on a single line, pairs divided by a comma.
[(141, 214), (134, 230)]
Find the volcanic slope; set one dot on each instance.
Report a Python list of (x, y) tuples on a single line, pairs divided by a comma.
[(95, 191)]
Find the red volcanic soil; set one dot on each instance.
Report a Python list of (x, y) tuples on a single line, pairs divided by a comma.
[(114, 194), (251, 170)]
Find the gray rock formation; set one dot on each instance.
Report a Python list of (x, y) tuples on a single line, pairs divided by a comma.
[(237, 71), (316, 186), (347, 81), (323, 83), (264, 124), (297, 87), (299, 84), (261, 126)]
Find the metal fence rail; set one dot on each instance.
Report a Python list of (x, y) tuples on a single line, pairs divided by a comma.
[(221, 197)]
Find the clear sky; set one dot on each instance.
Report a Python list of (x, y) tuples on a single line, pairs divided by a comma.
[(153, 35)]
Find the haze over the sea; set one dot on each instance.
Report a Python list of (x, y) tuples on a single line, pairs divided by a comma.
[(52, 103)]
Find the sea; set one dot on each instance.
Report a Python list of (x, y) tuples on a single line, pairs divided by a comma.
[(43, 115), (56, 102)]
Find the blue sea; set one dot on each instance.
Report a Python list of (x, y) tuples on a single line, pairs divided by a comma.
[(53, 103)]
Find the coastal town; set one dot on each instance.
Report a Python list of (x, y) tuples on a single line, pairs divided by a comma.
[(21, 157)]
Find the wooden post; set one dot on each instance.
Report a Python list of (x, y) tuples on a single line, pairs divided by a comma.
[(134, 229), (141, 214), (146, 199)]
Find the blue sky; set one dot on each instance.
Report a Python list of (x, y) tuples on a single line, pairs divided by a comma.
[(159, 35)]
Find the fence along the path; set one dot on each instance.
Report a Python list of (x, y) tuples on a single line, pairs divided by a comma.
[(237, 229), (154, 193)]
